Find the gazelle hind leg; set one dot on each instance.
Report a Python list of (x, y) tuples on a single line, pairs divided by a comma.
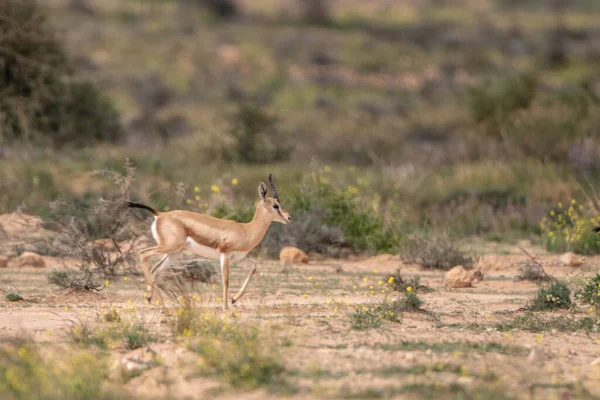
[(244, 286), (145, 254), (154, 270)]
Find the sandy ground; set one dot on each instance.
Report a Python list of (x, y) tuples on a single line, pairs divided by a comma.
[(307, 306)]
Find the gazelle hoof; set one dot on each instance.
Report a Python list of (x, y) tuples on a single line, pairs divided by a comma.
[(232, 301)]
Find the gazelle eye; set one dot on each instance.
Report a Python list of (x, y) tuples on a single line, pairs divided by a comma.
[(276, 206)]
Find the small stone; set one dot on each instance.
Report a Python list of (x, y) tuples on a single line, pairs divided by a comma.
[(571, 260)]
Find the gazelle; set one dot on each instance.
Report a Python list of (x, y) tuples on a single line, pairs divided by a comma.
[(210, 237)]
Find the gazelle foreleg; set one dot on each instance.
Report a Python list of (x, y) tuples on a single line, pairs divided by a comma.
[(225, 258), (243, 288)]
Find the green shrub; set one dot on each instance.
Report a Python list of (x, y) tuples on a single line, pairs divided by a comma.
[(235, 352), (82, 334), (591, 291), (373, 316), (359, 219), (13, 297), (256, 138), (136, 336), (569, 229), (70, 374), (556, 295), (41, 100), (412, 301), (494, 101)]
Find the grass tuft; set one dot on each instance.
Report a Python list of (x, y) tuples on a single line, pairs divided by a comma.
[(554, 296), (13, 297)]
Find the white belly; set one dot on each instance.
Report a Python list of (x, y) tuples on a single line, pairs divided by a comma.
[(153, 229), (210, 253)]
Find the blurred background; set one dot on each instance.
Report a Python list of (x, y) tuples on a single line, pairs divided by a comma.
[(379, 119)]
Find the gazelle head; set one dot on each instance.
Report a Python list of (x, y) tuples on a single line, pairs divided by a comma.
[(271, 205)]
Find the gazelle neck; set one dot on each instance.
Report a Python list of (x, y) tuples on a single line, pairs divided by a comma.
[(257, 228)]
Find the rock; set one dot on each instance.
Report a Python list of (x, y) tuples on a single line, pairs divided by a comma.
[(28, 259), (292, 255), (459, 277), (571, 260), (3, 262)]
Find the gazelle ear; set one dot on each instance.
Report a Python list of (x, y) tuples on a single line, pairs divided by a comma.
[(262, 190)]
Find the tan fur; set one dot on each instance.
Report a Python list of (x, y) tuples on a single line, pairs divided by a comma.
[(226, 237)]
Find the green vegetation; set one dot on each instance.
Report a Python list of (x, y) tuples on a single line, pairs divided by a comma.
[(551, 297), (42, 101), (12, 297), (71, 374), (571, 229), (450, 347), (373, 316), (590, 293), (531, 323), (136, 336), (235, 352), (400, 283)]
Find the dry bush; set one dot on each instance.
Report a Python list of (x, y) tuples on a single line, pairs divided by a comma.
[(78, 225), (199, 271), (531, 270), (436, 250), (76, 280)]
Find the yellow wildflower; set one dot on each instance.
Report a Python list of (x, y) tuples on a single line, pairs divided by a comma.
[(196, 189), (234, 181), (380, 282), (106, 283), (353, 189), (215, 188), (409, 289), (197, 198), (188, 201), (391, 280), (310, 278)]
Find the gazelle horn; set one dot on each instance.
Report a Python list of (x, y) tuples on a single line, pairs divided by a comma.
[(273, 188)]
